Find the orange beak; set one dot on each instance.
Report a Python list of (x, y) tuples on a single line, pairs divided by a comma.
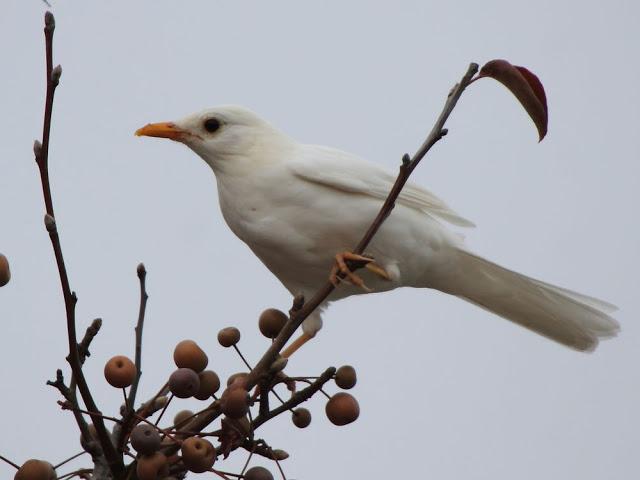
[(162, 130)]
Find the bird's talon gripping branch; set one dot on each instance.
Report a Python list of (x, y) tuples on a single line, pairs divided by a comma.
[(357, 261)]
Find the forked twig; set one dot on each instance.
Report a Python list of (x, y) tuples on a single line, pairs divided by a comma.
[(41, 151)]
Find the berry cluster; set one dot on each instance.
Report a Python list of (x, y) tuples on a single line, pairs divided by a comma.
[(191, 442)]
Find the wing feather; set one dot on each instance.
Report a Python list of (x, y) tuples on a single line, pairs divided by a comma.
[(342, 171)]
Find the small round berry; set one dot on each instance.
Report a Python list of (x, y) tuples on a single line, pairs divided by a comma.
[(301, 417), (209, 384), (184, 383), (342, 409), (145, 439), (35, 470), (229, 336), (234, 402), (198, 455), (271, 322), (182, 417), (5, 273), (346, 377), (239, 378), (258, 473), (152, 467), (188, 354), (120, 371)]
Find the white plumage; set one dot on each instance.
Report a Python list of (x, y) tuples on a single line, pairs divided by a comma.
[(296, 206)]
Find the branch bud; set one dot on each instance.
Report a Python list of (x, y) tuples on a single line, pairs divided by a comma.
[(49, 22), (55, 75), (50, 223), (37, 148), (279, 454), (141, 271), (406, 159)]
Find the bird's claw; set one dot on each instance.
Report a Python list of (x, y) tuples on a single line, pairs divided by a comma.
[(357, 261)]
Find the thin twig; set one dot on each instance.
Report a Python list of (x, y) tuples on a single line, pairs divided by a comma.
[(41, 151), (6, 460), (141, 271), (73, 457), (79, 473), (144, 296), (69, 395), (296, 399), (89, 335), (93, 415)]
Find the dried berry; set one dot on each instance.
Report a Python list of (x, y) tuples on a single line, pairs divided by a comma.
[(184, 383), (145, 439)]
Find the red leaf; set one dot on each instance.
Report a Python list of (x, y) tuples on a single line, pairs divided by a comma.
[(525, 86)]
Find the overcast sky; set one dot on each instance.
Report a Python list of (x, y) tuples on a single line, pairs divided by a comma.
[(446, 390)]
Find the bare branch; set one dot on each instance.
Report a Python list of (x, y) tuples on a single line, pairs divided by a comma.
[(41, 151), (296, 399)]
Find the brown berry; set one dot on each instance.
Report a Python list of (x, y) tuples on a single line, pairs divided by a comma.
[(258, 473), (198, 455), (342, 409), (271, 322), (5, 273), (120, 372), (229, 336), (239, 378), (182, 417), (188, 354), (301, 417), (35, 470), (346, 377), (145, 439), (152, 467), (209, 384), (234, 402), (184, 383)]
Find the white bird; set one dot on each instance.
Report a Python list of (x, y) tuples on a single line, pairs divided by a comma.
[(297, 206)]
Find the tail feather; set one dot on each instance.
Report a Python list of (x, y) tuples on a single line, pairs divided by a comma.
[(575, 320)]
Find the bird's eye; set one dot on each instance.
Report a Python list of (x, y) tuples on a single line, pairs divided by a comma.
[(211, 124)]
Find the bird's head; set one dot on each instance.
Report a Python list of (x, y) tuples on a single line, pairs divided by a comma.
[(228, 138)]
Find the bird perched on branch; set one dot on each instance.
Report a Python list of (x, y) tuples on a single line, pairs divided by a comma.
[(298, 207)]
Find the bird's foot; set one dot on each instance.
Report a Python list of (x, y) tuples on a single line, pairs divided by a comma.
[(355, 261)]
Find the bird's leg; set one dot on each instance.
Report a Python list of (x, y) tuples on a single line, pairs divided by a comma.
[(358, 261), (295, 345)]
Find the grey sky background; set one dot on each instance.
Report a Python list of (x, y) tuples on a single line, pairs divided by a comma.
[(446, 390)]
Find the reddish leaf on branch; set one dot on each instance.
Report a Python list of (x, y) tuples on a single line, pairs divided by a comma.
[(526, 87)]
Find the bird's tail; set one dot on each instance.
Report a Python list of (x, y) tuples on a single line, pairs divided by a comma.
[(567, 317)]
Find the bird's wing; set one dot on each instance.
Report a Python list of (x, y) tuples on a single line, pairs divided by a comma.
[(342, 171)]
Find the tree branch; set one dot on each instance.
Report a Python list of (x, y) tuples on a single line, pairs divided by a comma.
[(296, 399), (41, 151)]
